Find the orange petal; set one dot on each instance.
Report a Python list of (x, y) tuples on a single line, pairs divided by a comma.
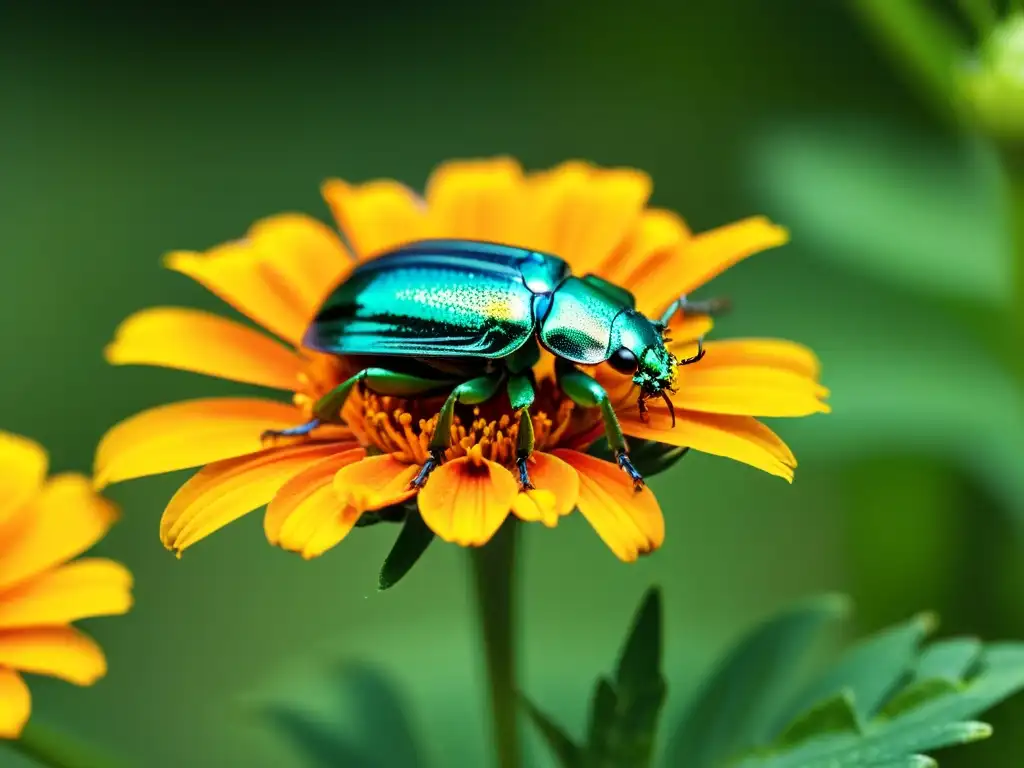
[(306, 515), (774, 353), (190, 340), (746, 391), (187, 434), (684, 331), (629, 522), (557, 490), (23, 465), (656, 232), (64, 520), (276, 276), (698, 260), (466, 500), (78, 590), (477, 200), (377, 215), (584, 213), (15, 704), (61, 652), (741, 438), (222, 492), (375, 482)]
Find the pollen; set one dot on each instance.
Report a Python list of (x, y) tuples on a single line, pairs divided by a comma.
[(404, 427)]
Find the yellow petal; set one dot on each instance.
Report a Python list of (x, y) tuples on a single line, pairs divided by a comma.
[(190, 340), (377, 215), (306, 515), (188, 434), (743, 390), (61, 652), (375, 482), (684, 331), (222, 492), (699, 259), (23, 464), (557, 490), (276, 276), (64, 520), (657, 232), (477, 200), (78, 590), (774, 353), (628, 521), (466, 500), (15, 704), (584, 213), (741, 438)]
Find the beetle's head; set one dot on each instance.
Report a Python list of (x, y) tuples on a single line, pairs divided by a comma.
[(638, 348)]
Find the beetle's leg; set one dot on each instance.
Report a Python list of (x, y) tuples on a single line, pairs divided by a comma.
[(682, 304), (586, 392), (520, 396), (327, 410), (472, 392)]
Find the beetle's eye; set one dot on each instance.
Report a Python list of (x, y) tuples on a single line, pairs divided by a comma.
[(623, 361)]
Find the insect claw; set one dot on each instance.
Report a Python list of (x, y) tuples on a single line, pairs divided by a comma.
[(622, 459), (524, 474), (641, 405), (433, 462), (696, 358), (300, 431)]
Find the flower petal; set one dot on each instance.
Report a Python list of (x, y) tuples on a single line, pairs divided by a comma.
[(629, 522), (377, 215), (78, 590), (375, 482), (306, 515), (64, 520), (466, 500), (741, 438), (224, 491), (477, 200), (191, 340), (699, 259), (684, 331), (61, 652), (557, 490), (746, 390), (276, 275), (584, 213), (23, 465), (15, 704), (656, 232), (187, 434), (775, 353)]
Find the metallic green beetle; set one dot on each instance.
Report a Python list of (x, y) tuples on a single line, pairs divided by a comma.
[(471, 316)]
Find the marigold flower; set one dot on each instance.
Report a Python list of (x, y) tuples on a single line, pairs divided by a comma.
[(318, 487), (44, 524)]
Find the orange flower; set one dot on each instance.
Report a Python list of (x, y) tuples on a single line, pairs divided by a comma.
[(317, 488), (43, 525)]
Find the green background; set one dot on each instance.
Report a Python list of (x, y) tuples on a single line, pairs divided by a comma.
[(132, 130)]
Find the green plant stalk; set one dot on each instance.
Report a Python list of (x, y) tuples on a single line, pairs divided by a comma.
[(1013, 162), (49, 747), (494, 573)]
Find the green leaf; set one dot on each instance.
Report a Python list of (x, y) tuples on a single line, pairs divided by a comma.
[(649, 456), (566, 752), (949, 659), (835, 715), (733, 710), (353, 715), (411, 543)]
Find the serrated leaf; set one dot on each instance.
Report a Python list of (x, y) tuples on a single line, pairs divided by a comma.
[(648, 456), (734, 708), (566, 751), (871, 670), (410, 544)]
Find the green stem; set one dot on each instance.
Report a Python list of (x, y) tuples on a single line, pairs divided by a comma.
[(1013, 163), (493, 569), (49, 747)]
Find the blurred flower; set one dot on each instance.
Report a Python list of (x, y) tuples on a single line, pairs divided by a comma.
[(44, 524), (992, 81), (318, 488)]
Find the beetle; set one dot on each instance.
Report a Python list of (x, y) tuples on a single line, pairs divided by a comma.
[(472, 316)]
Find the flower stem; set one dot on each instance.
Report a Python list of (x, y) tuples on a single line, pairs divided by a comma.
[(49, 747), (493, 570)]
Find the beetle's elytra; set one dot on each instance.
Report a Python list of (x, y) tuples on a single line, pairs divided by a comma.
[(471, 317)]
